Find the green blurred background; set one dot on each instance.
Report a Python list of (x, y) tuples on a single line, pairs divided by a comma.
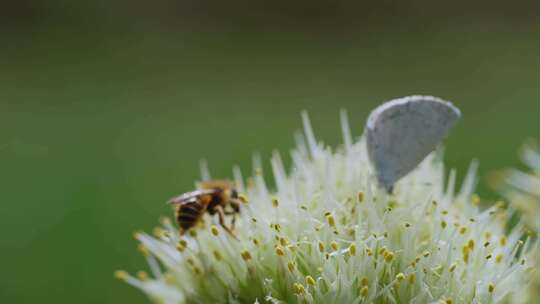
[(106, 108)]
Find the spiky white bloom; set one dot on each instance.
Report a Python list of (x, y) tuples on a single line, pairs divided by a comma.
[(523, 190), (328, 234)]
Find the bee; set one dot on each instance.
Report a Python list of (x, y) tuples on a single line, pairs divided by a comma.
[(215, 196)]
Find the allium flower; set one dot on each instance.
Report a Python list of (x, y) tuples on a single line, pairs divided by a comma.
[(329, 234), (523, 190)]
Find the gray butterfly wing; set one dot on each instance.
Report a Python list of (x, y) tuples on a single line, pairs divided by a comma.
[(402, 132)]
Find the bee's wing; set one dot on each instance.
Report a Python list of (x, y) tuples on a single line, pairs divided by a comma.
[(191, 195)]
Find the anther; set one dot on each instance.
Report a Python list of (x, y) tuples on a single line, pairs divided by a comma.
[(121, 275), (280, 251), (352, 249), (142, 275), (360, 197), (215, 230), (245, 255), (243, 199)]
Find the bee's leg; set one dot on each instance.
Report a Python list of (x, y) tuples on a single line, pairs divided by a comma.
[(235, 204), (221, 216), (233, 222)]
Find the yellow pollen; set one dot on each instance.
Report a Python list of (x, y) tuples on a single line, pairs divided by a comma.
[(298, 288), (142, 275), (215, 230), (487, 235), (412, 278), (470, 244), (277, 227), (143, 250), (352, 249), (491, 287), (466, 257), (475, 199), (180, 247), (310, 280), (334, 245), (280, 251), (193, 233), (283, 241), (158, 232), (243, 199), (364, 291), (275, 202), (503, 240), (389, 257), (137, 234), (500, 204), (331, 221), (360, 197), (321, 246), (364, 281), (463, 230), (369, 252), (121, 275), (291, 266), (498, 258), (400, 276), (246, 255), (217, 255)]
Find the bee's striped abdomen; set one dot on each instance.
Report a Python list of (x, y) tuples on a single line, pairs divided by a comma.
[(188, 214)]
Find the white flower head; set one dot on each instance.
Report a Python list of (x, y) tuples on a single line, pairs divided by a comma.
[(523, 190), (328, 234)]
